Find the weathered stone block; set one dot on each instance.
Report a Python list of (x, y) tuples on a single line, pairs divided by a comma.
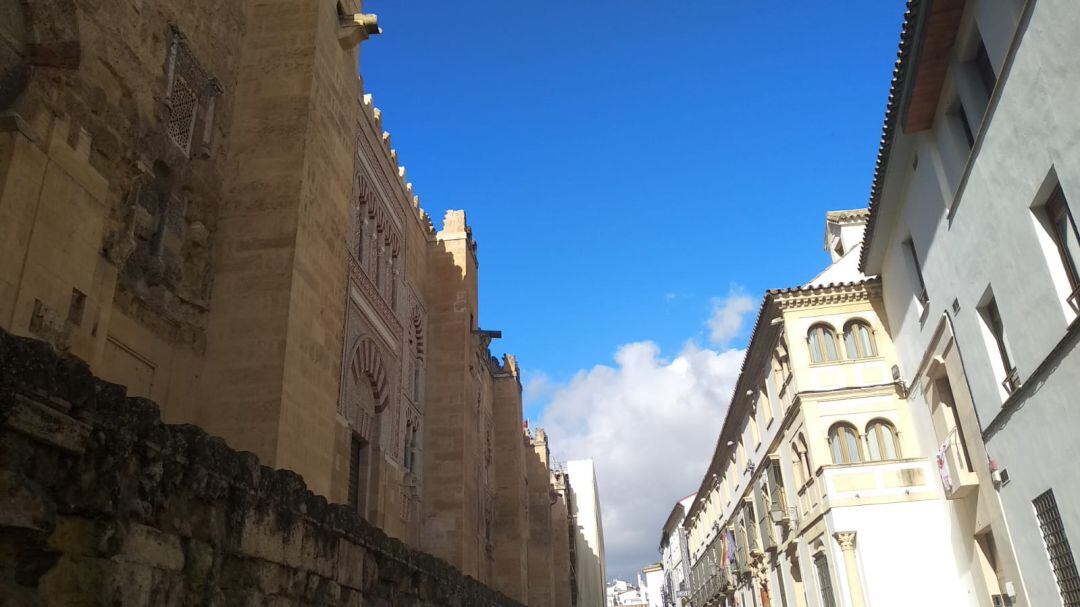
[(77, 581), (149, 546), (350, 564), (23, 505), (170, 517), (78, 536)]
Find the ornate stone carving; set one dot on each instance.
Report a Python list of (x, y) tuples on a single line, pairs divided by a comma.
[(367, 288), (846, 539), (366, 371), (190, 92)]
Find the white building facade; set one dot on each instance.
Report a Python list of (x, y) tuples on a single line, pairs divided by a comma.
[(651, 583), (589, 569), (675, 556), (973, 232)]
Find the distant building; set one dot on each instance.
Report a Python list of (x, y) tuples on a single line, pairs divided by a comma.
[(675, 556), (589, 569), (624, 594), (651, 582)]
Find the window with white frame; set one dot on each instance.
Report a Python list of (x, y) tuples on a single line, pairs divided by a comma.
[(823, 345), (1062, 227), (994, 327), (859, 340), (844, 444), (881, 441)]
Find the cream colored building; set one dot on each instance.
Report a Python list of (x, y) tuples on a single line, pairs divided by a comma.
[(822, 491)]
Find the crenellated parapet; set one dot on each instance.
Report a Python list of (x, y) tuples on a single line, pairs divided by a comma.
[(374, 115)]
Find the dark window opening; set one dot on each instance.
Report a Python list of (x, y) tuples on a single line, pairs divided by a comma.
[(824, 580), (960, 115), (1057, 547), (1067, 239), (78, 304), (921, 295), (985, 69), (358, 475), (997, 328)]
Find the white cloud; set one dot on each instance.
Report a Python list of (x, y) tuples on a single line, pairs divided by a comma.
[(651, 425), (538, 386), (727, 317)]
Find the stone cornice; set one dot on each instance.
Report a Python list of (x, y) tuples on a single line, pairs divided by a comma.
[(809, 297)]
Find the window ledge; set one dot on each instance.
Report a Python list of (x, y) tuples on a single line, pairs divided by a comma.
[(848, 361)]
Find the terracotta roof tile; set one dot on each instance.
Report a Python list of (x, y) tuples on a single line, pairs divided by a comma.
[(892, 114)]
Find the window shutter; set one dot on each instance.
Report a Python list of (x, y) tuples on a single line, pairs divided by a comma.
[(765, 527)]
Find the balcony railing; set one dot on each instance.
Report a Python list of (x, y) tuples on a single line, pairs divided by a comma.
[(957, 478)]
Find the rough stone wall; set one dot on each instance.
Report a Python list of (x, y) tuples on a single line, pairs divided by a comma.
[(106, 505), (511, 573), (107, 248), (561, 594), (276, 332), (541, 572), (175, 181)]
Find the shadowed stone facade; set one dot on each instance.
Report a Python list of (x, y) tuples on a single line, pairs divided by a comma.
[(198, 199)]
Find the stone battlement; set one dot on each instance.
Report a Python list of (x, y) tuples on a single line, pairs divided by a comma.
[(105, 503), (374, 114)]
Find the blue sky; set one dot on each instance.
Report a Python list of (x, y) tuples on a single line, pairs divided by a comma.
[(622, 162), (630, 168)]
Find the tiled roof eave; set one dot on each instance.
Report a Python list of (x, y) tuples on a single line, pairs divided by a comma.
[(904, 59)]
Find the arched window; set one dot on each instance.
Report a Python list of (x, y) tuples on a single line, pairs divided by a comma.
[(823, 346), (881, 441), (844, 443), (859, 340), (801, 460)]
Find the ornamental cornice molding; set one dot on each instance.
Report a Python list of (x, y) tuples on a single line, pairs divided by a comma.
[(372, 295), (824, 296)]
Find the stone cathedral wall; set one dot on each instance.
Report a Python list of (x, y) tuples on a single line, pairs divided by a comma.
[(106, 505)]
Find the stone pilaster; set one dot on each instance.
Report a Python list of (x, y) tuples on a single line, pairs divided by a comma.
[(846, 539)]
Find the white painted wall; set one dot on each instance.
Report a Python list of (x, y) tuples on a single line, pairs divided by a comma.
[(992, 240), (591, 573), (903, 562), (653, 584)]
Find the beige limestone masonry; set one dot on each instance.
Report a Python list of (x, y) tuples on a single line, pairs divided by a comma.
[(200, 201)]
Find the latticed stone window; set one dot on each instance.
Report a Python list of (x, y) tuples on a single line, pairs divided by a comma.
[(189, 96)]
